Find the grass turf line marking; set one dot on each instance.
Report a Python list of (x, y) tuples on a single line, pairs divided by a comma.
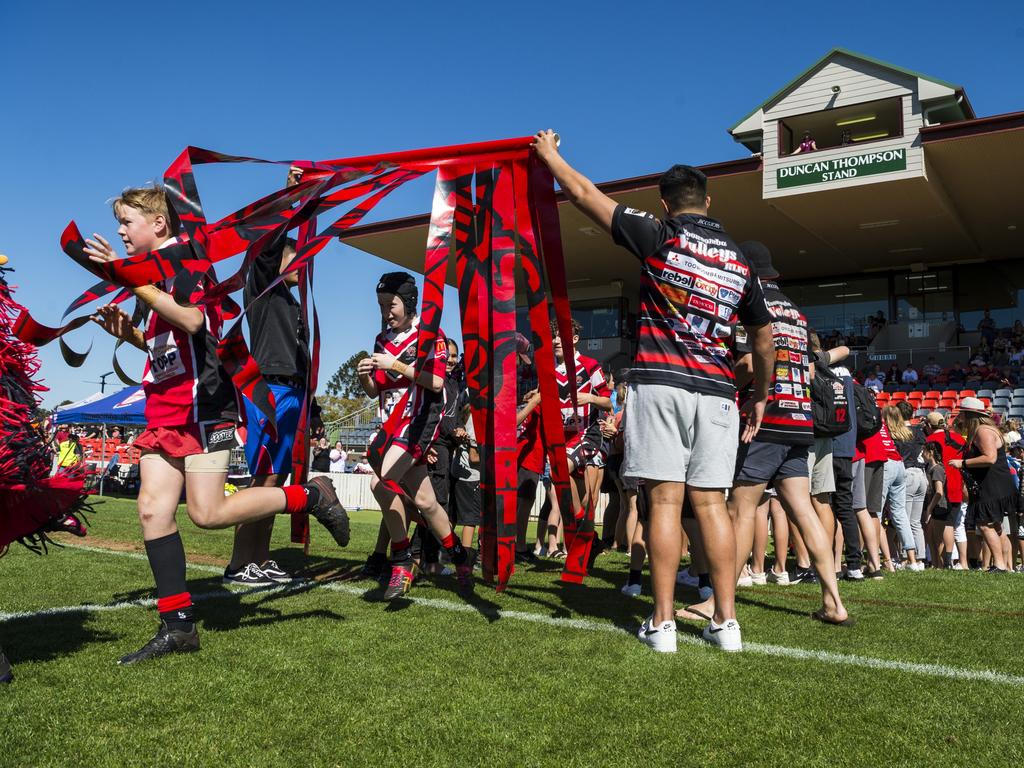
[(799, 654)]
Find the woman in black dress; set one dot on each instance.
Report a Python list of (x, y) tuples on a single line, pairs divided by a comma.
[(987, 477)]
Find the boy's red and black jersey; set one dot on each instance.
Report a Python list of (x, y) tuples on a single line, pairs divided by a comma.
[(787, 415), (391, 386), (184, 382), (587, 378), (695, 286)]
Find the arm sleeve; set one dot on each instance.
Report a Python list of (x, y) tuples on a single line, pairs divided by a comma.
[(637, 231), (753, 310)]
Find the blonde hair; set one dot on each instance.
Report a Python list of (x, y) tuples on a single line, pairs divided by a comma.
[(972, 422), (895, 424), (151, 201)]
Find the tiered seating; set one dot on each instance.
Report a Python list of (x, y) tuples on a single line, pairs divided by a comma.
[(1005, 403)]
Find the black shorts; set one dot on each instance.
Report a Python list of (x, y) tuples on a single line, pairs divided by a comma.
[(763, 462), (416, 433), (466, 498), (586, 453)]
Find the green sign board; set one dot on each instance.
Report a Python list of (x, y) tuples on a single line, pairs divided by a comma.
[(838, 168)]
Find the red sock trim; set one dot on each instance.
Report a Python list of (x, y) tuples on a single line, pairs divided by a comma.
[(448, 541), (176, 602), (400, 546), (294, 499)]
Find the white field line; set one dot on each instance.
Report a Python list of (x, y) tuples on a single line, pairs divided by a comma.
[(799, 654)]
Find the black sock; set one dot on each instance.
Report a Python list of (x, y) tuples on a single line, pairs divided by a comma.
[(635, 577), (703, 579), (457, 553), (167, 560)]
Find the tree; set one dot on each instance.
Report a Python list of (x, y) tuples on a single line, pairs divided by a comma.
[(345, 381)]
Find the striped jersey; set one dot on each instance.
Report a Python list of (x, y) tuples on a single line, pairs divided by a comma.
[(391, 386), (695, 285), (587, 377), (787, 415), (184, 381)]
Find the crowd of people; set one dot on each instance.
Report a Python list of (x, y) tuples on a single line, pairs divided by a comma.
[(732, 426)]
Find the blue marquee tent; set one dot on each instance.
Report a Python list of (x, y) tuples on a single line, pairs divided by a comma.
[(124, 407)]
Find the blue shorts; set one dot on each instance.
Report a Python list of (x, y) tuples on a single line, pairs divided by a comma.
[(264, 455)]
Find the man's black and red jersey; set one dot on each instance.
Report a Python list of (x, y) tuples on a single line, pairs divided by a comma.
[(695, 285), (787, 415), (184, 382)]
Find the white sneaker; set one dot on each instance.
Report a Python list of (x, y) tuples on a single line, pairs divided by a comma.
[(687, 579), (778, 578), (744, 580), (632, 590), (918, 566), (759, 579), (727, 637), (661, 638), (957, 566)]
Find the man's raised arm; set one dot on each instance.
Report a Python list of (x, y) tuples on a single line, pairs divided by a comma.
[(580, 190)]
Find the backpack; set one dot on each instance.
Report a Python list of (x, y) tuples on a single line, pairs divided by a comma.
[(869, 418), (829, 405)]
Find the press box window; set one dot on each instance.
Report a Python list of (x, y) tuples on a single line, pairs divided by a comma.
[(843, 126)]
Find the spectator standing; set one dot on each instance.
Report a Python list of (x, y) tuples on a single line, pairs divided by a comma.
[(339, 457), (987, 328), (987, 475), (681, 415), (321, 456)]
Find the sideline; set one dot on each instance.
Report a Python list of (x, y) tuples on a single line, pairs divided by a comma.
[(799, 654)]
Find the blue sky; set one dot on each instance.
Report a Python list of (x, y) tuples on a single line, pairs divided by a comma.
[(97, 97)]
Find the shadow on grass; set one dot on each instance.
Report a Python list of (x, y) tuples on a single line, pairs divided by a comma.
[(49, 636)]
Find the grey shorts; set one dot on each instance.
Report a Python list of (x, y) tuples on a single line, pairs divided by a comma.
[(823, 478), (860, 496), (679, 436), (762, 462)]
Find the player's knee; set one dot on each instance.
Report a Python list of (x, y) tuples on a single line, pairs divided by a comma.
[(204, 514)]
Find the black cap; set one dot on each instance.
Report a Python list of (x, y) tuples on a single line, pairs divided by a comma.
[(403, 285), (760, 258)]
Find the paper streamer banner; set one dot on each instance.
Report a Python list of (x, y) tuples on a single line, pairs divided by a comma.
[(494, 210)]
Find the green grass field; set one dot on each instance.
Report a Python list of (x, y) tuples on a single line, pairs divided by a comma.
[(545, 674)]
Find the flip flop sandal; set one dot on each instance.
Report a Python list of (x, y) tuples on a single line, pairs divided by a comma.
[(559, 554), (847, 622), (689, 614)]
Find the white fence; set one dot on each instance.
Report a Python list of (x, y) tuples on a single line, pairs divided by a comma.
[(354, 493)]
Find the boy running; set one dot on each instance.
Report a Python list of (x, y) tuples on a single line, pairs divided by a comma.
[(191, 413)]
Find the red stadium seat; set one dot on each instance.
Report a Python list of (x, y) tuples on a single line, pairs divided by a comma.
[(915, 397), (947, 402), (968, 393), (933, 394), (950, 393), (986, 401), (897, 396), (930, 403)]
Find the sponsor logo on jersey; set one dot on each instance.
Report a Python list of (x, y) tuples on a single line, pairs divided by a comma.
[(728, 294), (690, 264), (705, 305), (781, 372), (697, 324), (784, 389), (739, 269), (799, 417), (725, 311), (708, 289), (638, 212), (790, 405), (440, 347), (782, 355), (677, 278), (723, 331)]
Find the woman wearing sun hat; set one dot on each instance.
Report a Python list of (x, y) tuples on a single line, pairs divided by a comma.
[(987, 476)]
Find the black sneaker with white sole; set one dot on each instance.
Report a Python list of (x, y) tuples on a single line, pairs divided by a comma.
[(328, 510), (166, 641), (276, 573), (249, 576), (804, 576)]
